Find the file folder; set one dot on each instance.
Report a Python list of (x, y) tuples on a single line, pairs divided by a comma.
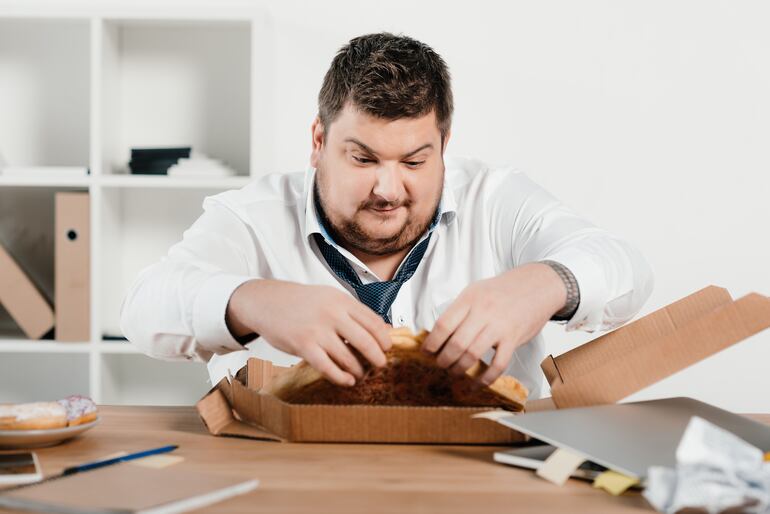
[(72, 268), (23, 301)]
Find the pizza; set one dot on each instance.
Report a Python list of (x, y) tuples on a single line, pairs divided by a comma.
[(410, 378)]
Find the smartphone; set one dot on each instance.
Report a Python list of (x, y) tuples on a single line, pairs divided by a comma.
[(19, 468)]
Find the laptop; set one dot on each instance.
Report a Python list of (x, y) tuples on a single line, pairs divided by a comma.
[(631, 437)]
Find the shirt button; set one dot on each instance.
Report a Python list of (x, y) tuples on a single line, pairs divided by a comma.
[(402, 320)]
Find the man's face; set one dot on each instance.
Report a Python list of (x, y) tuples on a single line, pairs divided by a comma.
[(378, 181)]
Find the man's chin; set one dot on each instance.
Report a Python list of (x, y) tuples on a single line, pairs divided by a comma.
[(380, 242)]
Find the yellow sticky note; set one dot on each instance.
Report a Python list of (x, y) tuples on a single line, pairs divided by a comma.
[(614, 483), (558, 467), (767, 457), (158, 461)]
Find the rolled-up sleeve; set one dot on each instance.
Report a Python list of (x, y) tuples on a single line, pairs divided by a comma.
[(530, 225), (175, 309)]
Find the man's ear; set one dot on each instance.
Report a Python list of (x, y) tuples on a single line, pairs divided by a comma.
[(445, 141), (317, 140)]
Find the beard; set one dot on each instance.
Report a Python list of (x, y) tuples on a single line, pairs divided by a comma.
[(350, 234)]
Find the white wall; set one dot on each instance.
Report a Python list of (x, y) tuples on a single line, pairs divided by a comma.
[(651, 118)]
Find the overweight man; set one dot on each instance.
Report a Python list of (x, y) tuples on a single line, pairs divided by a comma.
[(383, 230)]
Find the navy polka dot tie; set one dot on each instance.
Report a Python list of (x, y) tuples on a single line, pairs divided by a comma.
[(379, 296)]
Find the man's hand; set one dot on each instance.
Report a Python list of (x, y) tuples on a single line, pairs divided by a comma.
[(503, 312), (312, 322)]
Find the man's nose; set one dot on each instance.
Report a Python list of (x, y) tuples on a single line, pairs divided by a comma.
[(388, 185)]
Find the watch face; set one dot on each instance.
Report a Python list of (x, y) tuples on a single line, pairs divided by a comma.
[(17, 464)]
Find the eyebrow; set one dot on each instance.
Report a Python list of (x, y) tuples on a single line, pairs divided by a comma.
[(369, 150)]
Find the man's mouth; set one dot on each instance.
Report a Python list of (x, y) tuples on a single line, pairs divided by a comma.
[(385, 212)]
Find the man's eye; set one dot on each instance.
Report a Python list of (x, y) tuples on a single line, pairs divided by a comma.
[(414, 164), (362, 160)]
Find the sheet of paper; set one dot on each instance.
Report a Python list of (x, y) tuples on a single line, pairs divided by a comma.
[(614, 483), (560, 465), (494, 415)]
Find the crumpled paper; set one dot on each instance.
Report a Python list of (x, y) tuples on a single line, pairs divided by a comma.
[(716, 472)]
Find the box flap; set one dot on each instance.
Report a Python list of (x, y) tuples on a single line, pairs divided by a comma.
[(217, 414), (260, 373), (615, 365)]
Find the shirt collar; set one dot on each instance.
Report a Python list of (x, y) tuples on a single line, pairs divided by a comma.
[(447, 208)]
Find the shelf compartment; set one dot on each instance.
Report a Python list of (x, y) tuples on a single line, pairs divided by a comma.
[(28, 378), (158, 382), (138, 226), (165, 84), (45, 92), (27, 232)]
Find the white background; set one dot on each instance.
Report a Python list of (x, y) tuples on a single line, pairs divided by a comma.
[(650, 118)]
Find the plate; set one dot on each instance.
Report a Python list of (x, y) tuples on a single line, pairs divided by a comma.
[(40, 438)]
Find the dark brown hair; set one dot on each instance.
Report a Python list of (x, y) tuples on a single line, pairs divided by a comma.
[(389, 77)]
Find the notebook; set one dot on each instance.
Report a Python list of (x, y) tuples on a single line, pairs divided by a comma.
[(123, 488)]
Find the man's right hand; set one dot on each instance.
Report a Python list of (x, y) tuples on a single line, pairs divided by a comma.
[(315, 323)]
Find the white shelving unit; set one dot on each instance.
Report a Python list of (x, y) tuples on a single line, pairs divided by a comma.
[(83, 89)]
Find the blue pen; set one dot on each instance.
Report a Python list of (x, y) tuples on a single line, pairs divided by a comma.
[(131, 456)]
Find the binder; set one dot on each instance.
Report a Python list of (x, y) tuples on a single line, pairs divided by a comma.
[(23, 301), (72, 267)]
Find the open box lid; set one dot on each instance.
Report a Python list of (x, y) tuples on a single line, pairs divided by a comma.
[(620, 363)]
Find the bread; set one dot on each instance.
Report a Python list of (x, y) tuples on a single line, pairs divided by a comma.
[(70, 411), (411, 377)]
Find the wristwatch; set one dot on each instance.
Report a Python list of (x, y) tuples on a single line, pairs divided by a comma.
[(573, 291)]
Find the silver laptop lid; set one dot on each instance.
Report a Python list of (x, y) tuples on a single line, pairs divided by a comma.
[(631, 437)]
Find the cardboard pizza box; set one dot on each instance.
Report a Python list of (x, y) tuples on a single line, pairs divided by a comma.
[(604, 370), (236, 407)]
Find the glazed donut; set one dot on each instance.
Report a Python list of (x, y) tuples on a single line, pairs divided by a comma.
[(80, 409), (70, 411), (32, 416)]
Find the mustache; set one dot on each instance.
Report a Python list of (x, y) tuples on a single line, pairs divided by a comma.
[(374, 203)]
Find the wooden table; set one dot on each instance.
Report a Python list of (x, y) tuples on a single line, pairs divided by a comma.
[(340, 478)]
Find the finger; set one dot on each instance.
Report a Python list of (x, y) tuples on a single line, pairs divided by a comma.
[(374, 324), (321, 362), (480, 345), (341, 354), (360, 339), (503, 355), (460, 341), (445, 326)]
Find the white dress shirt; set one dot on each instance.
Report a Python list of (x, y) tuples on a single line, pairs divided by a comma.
[(491, 220)]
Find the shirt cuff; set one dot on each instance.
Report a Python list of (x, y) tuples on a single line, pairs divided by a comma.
[(592, 285), (209, 310)]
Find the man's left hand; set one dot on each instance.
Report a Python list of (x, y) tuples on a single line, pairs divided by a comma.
[(502, 312)]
